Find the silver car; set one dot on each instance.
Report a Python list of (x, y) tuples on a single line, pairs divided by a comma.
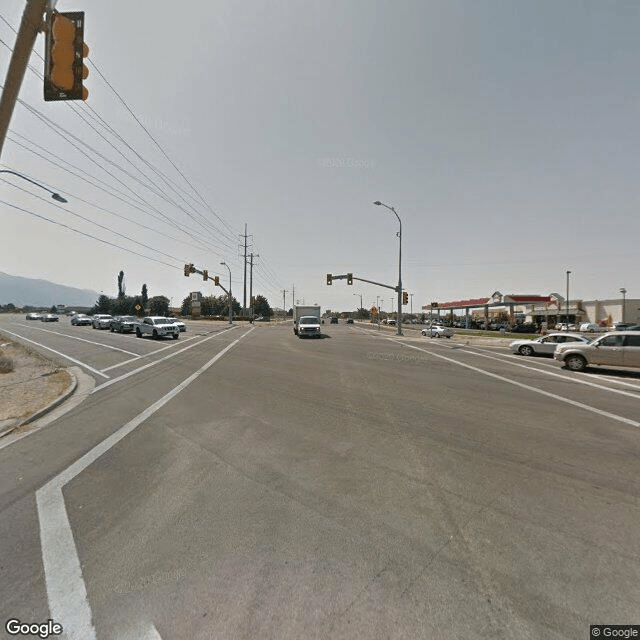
[(545, 344), (437, 331), (620, 349), (101, 321)]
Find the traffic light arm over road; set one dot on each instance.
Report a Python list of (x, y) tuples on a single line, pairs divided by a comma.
[(348, 276), (189, 269)]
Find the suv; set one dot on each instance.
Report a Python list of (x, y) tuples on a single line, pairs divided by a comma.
[(621, 349), (334, 320)]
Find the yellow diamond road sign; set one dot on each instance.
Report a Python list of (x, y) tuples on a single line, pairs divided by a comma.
[(374, 311), (137, 307)]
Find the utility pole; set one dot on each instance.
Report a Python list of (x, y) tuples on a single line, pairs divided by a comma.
[(293, 296), (284, 301), (32, 21), (253, 255), (244, 290)]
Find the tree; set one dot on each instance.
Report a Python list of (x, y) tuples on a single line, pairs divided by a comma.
[(144, 296), (261, 307), (186, 307), (121, 285), (159, 306), (103, 305)]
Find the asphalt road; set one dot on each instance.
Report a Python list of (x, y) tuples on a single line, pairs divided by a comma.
[(257, 485)]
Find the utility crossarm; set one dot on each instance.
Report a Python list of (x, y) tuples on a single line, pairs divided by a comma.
[(379, 284)]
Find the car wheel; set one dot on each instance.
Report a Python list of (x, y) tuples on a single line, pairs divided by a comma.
[(525, 350), (111, 329), (175, 336), (576, 363), (138, 333), (155, 334)]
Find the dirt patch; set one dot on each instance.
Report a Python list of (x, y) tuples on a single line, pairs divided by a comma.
[(34, 382)]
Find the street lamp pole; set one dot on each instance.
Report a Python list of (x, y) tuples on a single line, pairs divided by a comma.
[(567, 302), (399, 319), (623, 291), (356, 295), (230, 311), (56, 196)]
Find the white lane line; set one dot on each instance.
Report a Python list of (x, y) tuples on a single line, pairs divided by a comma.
[(555, 375), (66, 590), (145, 355), (66, 335), (155, 362), (64, 355), (574, 403), (546, 364)]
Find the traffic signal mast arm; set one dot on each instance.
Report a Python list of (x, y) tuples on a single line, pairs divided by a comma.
[(189, 268), (379, 284)]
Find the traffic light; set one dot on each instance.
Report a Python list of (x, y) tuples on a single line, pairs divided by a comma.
[(405, 297), (65, 50), (349, 278), (205, 274), (216, 281), (329, 278), (188, 268)]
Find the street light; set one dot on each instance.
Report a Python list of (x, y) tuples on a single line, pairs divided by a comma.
[(56, 196), (230, 316), (567, 301), (623, 291), (399, 319)]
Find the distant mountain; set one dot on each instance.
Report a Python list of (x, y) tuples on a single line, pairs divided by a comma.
[(42, 293)]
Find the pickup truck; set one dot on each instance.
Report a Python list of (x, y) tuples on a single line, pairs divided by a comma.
[(156, 327)]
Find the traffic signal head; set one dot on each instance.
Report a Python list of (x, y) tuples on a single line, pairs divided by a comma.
[(187, 269), (329, 278), (205, 274), (65, 50), (405, 297), (216, 281), (349, 278)]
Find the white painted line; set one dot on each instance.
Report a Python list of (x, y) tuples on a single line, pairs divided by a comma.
[(574, 403), (564, 377), (64, 355), (66, 590), (155, 362), (66, 335), (145, 355)]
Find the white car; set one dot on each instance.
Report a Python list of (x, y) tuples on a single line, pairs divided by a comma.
[(181, 325), (591, 327), (101, 321), (157, 327), (545, 344), (437, 332)]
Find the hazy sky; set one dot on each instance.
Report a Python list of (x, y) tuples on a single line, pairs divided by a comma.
[(504, 133)]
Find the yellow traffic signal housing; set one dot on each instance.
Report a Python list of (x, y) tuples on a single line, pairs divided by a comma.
[(216, 281), (329, 278), (65, 50), (205, 274), (405, 297), (349, 278)]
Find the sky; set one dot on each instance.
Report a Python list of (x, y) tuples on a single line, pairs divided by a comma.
[(505, 135)]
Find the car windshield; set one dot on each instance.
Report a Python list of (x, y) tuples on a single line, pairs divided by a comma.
[(309, 320), (162, 321), (127, 319)]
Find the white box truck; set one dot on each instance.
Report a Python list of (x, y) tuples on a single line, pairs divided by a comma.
[(306, 321)]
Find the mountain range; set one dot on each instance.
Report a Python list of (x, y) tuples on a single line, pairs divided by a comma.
[(42, 293)]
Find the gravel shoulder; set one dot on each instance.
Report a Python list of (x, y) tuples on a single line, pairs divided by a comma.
[(34, 383)]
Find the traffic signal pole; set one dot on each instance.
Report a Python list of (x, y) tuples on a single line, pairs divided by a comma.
[(32, 23)]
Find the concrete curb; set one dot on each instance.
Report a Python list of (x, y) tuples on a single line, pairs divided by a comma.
[(50, 407)]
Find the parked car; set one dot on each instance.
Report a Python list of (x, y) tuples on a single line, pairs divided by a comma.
[(591, 327), (49, 317), (334, 320), (545, 344), (33, 316), (391, 321), (525, 327), (157, 327), (80, 319), (181, 325), (101, 321), (349, 320), (635, 327), (620, 349), (622, 326), (123, 324), (436, 331)]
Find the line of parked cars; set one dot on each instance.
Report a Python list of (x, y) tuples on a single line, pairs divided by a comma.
[(577, 352), (155, 326)]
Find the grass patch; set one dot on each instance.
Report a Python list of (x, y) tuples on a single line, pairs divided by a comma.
[(6, 363)]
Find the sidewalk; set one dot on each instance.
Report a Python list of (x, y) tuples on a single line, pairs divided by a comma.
[(33, 385)]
